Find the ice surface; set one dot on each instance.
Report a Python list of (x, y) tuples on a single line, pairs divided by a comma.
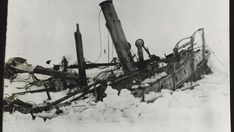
[(205, 108)]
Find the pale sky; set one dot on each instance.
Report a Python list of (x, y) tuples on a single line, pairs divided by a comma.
[(39, 30)]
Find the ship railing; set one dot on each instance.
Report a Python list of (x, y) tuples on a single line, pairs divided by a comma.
[(189, 41)]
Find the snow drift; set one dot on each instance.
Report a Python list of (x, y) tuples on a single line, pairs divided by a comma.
[(205, 108)]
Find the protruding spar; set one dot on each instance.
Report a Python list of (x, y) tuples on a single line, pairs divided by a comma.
[(121, 44)]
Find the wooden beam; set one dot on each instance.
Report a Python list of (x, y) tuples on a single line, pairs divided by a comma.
[(93, 65)]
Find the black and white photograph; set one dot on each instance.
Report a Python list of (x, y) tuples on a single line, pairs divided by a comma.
[(116, 66)]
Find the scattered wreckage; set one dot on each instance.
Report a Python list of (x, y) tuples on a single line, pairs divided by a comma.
[(187, 63)]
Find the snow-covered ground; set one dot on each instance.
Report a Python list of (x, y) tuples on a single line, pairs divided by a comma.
[(203, 109)]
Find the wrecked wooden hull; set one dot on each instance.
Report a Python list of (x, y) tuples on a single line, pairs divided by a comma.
[(183, 65), (176, 80), (190, 68)]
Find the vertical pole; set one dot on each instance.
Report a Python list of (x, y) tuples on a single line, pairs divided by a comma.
[(175, 50), (64, 64), (80, 57), (3, 24), (47, 92), (64, 68), (192, 60), (108, 44), (203, 44)]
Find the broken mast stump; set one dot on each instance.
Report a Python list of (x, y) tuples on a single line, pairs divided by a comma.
[(80, 57)]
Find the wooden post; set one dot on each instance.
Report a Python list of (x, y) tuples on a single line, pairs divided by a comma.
[(203, 44), (80, 57), (192, 60), (114, 26), (64, 69)]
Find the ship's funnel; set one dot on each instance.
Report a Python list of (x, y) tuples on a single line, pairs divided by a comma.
[(121, 44)]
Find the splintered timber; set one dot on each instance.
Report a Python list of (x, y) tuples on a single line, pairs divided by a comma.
[(187, 63)]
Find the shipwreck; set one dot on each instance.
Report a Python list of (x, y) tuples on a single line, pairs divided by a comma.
[(187, 63)]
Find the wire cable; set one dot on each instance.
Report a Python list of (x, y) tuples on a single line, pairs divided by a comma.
[(215, 55), (217, 58), (100, 36), (108, 45), (112, 51), (220, 61)]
